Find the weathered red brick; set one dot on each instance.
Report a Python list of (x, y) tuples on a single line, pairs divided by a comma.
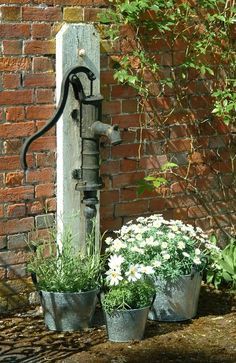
[(44, 96), (111, 108), (129, 106), (36, 207), (15, 113), (39, 47), (11, 13), (123, 92), (13, 257), (128, 150), (138, 207), (16, 210), (9, 162), (44, 190), (42, 112), (11, 64), (15, 30), (47, 14), (127, 179), (12, 146), (46, 175), (11, 81), (14, 179), (110, 167), (17, 130), (39, 80), (125, 121), (42, 64), (12, 226), (16, 194), (43, 143), (108, 197), (157, 205), (45, 159), (12, 47), (51, 204), (41, 30), (17, 97)]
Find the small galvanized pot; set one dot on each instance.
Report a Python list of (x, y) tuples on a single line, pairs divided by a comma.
[(65, 311), (176, 301), (126, 325)]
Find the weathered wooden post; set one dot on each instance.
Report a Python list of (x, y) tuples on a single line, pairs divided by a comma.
[(76, 44)]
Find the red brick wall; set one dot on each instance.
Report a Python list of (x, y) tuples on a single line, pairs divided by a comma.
[(27, 81)]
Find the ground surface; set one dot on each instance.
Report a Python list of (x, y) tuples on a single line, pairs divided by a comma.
[(210, 338)]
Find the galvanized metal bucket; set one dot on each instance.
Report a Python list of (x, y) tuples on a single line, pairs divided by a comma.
[(65, 311), (126, 325), (176, 301)]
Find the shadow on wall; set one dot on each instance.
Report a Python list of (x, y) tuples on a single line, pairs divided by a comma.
[(15, 292)]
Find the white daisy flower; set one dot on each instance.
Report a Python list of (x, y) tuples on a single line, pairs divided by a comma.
[(148, 270), (133, 274), (197, 261), (117, 245), (166, 256), (164, 245), (113, 277), (181, 245), (197, 251), (108, 240), (115, 262)]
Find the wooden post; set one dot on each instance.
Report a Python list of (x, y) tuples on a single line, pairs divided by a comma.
[(76, 45)]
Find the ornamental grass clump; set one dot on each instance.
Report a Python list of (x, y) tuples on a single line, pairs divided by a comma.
[(62, 268), (152, 247)]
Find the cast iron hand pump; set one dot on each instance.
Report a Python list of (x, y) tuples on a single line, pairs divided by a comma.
[(88, 115)]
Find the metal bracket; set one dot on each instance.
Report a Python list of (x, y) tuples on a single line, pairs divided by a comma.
[(77, 174)]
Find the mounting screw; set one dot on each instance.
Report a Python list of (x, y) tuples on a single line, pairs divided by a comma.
[(82, 52)]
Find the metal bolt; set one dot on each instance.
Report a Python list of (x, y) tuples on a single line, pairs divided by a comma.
[(82, 52)]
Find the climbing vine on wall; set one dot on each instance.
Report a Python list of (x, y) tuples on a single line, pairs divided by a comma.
[(175, 53), (198, 37)]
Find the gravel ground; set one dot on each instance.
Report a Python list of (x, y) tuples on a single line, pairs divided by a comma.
[(210, 337)]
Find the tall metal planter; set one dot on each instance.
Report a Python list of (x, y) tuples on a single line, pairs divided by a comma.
[(65, 311), (176, 301), (126, 325)]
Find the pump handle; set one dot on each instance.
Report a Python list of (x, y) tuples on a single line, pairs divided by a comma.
[(61, 105)]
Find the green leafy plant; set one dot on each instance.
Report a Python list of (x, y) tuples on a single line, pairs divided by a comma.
[(222, 267), (61, 268), (129, 295), (201, 30)]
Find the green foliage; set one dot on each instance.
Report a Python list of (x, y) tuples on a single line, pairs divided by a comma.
[(127, 295), (204, 27), (150, 182), (222, 267), (65, 269), (225, 104)]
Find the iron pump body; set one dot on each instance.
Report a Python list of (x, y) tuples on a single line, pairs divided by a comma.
[(88, 116)]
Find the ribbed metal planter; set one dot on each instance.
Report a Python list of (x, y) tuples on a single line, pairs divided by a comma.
[(176, 301), (65, 311), (126, 325)]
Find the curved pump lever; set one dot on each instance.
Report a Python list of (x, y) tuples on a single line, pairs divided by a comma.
[(67, 79)]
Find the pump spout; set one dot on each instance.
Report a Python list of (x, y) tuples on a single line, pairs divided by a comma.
[(112, 132)]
